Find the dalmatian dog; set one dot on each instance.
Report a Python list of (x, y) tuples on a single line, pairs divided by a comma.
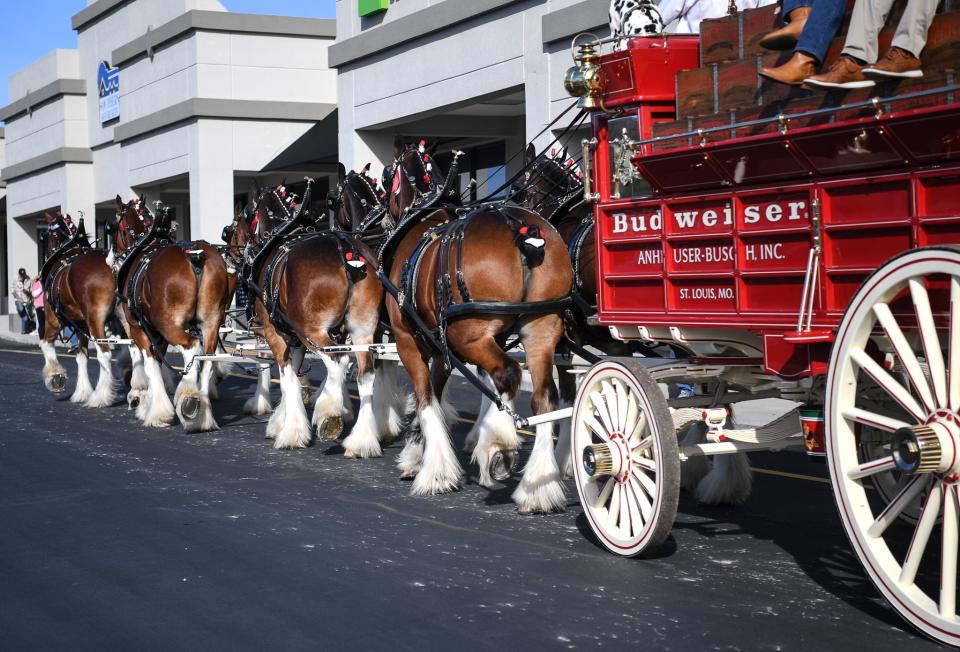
[(634, 18)]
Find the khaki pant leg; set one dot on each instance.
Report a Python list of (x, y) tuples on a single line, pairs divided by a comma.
[(912, 31), (866, 21)]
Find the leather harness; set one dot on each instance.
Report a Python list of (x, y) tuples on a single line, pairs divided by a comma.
[(131, 275), (54, 271)]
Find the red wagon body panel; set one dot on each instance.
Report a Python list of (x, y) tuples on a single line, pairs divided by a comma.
[(723, 240)]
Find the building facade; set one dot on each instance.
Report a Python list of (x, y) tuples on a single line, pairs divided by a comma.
[(179, 100), (483, 76)]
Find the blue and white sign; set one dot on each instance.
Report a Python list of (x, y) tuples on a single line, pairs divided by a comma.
[(108, 84)]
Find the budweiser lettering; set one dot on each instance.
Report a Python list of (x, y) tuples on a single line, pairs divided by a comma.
[(709, 218), (622, 223)]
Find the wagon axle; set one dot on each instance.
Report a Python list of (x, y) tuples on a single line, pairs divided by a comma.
[(920, 448)]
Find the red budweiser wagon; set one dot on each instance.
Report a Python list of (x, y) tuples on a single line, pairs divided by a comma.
[(794, 244)]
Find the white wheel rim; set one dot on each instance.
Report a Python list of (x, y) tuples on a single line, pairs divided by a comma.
[(912, 561), (612, 408)]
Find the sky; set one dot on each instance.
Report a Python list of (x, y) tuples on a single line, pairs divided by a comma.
[(32, 28)]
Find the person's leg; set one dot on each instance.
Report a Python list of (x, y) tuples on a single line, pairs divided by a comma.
[(793, 15), (822, 25), (787, 7), (819, 28), (41, 323), (24, 316), (902, 59), (71, 336), (912, 31), (866, 21)]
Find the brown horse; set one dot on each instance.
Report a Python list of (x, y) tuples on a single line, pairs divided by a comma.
[(311, 290), (172, 294), (514, 263), (79, 291)]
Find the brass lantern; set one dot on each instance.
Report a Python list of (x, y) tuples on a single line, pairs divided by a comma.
[(584, 79)]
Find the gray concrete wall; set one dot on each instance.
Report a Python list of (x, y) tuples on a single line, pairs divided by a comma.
[(426, 57), (206, 96)]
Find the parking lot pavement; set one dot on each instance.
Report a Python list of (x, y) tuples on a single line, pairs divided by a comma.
[(117, 536)]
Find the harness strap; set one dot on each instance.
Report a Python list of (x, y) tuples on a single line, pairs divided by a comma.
[(350, 259), (132, 298), (424, 332), (54, 292), (508, 308)]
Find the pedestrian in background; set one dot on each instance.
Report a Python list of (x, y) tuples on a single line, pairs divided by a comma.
[(37, 292), (23, 300)]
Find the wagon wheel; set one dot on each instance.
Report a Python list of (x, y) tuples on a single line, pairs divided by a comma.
[(625, 457), (875, 444), (910, 307)]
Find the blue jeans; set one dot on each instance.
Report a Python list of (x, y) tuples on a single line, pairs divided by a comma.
[(24, 311), (821, 26), (71, 336)]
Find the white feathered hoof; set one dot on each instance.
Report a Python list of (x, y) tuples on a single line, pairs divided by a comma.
[(360, 448), (103, 396), (189, 408), (159, 416), (306, 396), (728, 483), (540, 492), (294, 434), (541, 489), (195, 412), (55, 379), (140, 406), (435, 483), (408, 461), (275, 423), (330, 428), (502, 464), (257, 406), (134, 398)]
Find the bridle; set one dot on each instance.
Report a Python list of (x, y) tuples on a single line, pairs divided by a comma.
[(127, 235), (361, 192), (561, 184), (58, 232), (261, 210), (421, 182), (234, 252)]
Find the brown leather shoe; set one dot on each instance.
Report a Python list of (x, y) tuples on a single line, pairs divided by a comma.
[(844, 72), (896, 62), (793, 72), (786, 37)]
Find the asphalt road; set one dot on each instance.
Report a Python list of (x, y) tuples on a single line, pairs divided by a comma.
[(113, 536)]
